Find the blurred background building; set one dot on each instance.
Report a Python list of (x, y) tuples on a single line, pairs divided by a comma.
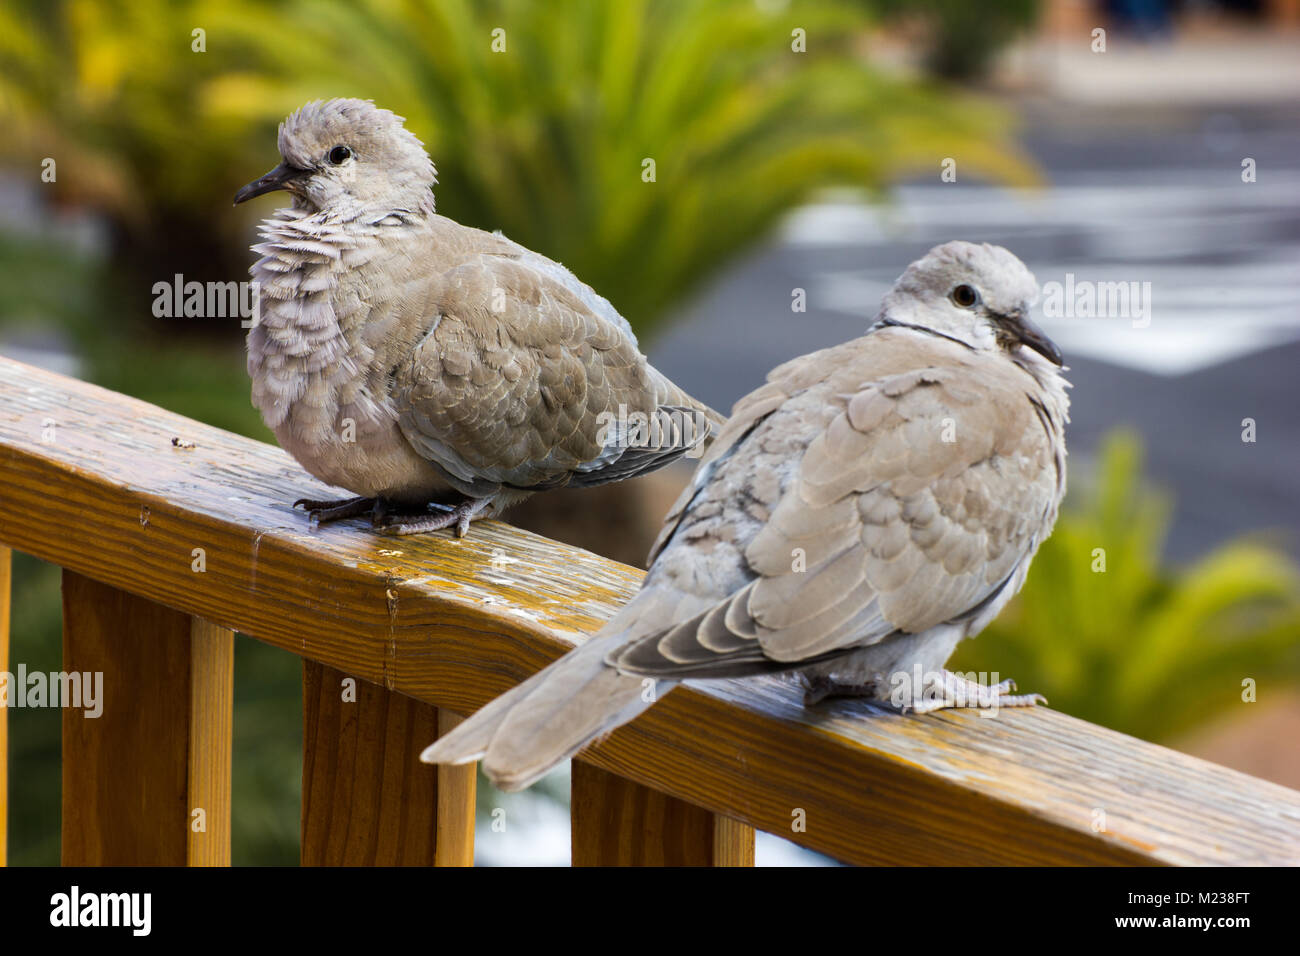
[(804, 153)]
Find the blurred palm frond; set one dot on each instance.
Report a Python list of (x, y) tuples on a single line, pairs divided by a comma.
[(545, 139)]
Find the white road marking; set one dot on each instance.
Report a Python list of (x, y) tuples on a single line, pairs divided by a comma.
[(1221, 257)]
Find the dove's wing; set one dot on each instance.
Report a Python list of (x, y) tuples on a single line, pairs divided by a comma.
[(926, 476), (522, 381), (751, 410)]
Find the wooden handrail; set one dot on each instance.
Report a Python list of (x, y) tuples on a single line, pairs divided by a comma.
[(450, 624), (6, 563)]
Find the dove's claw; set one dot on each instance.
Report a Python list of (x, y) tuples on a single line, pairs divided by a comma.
[(382, 519), (457, 516), (956, 691), (819, 688), (325, 511)]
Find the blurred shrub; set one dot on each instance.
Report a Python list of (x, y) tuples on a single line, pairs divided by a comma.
[(1142, 648), (545, 140), (112, 91), (962, 39)]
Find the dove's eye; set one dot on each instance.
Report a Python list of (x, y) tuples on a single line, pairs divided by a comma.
[(964, 296), (339, 155)]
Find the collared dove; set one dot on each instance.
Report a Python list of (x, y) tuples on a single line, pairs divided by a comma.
[(861, 513), (415, 361)]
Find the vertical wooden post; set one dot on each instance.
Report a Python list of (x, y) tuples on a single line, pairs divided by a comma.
[(367, 800), (212, 691), (155, 764), (616, 822), (457, 789), (6, 570), (733, 842)]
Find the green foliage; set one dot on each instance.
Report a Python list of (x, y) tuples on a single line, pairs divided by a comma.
[(545, 140), (1140, 647), (34, 733), (962, 38), (266, 770), (112, 92)]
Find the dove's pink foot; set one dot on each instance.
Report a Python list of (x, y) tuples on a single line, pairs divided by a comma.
[(955, 691), (459, 516)]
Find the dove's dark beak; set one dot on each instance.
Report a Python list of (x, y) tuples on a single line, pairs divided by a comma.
[(278, 178), (1032, 337)]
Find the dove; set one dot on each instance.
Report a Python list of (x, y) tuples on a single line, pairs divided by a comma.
[(857, 516), (420, 363)]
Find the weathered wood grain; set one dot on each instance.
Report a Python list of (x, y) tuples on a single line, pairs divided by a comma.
[(733, 842), (134, 780), (616, 822), (366, 798), (6, 573), (453, 623)]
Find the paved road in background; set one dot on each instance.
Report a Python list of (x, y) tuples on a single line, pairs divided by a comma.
[(1150, 198)]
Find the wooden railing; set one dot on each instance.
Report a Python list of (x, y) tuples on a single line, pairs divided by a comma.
[(173, 535)]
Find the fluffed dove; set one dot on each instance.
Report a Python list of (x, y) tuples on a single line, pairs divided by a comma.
[(861, 513), (415, 361)]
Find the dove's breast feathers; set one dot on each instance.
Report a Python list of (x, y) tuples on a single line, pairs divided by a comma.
[(410, 356)]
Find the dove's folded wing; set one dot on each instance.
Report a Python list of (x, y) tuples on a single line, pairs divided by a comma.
[(747, 414), (520, 382), (919, 497)]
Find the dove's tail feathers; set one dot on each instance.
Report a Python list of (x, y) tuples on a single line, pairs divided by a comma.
[(548, 718), (670, 432)]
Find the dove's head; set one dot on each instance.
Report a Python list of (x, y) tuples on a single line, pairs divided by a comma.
[(349, 159), (977, 294)]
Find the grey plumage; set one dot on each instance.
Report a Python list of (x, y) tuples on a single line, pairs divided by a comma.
[(860, 514), (411, 359)]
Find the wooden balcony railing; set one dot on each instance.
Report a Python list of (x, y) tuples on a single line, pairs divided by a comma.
[(168, 547)]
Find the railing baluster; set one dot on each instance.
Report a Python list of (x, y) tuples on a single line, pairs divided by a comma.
[(366, 798), (457, 788), (212, 671), (733, 842), (616, 822), (147, 782), (6, 570)]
